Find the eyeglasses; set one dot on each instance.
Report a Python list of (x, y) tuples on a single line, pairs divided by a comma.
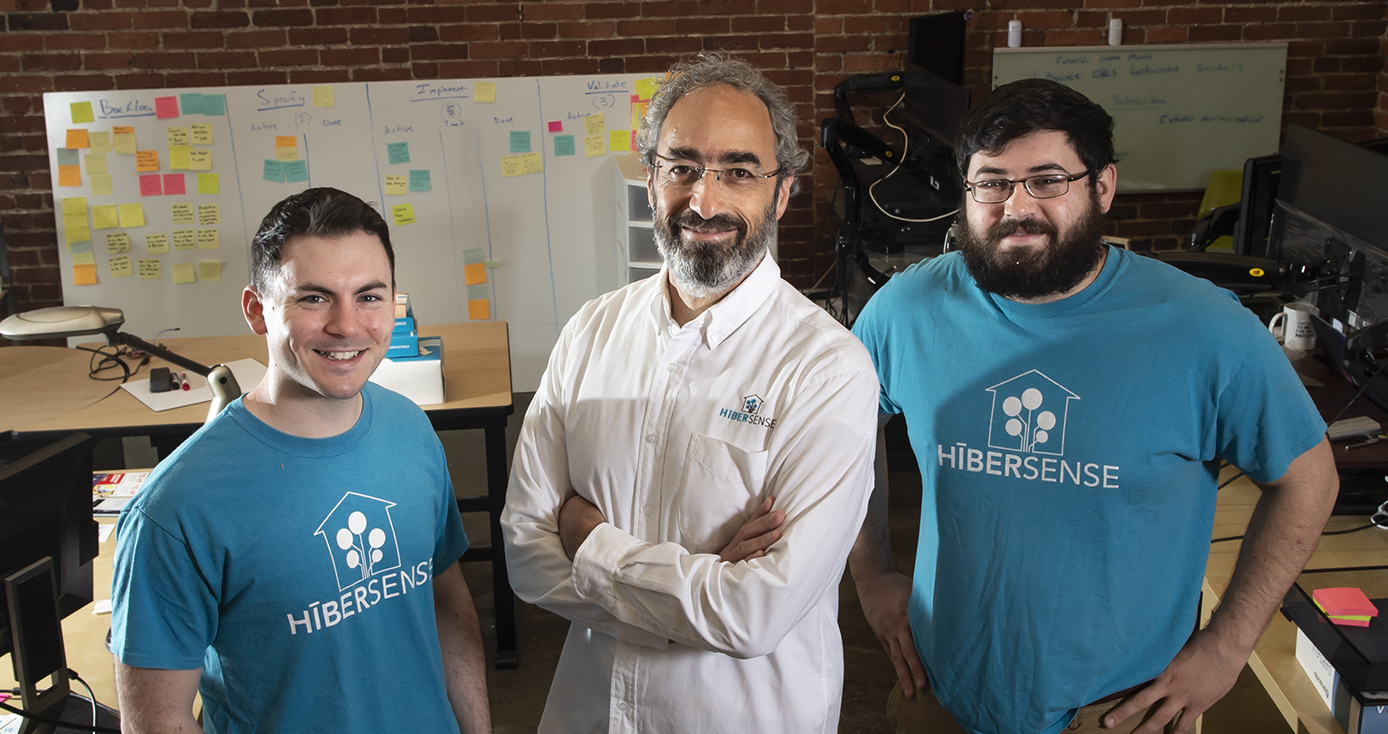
[(1044, 186), (684, 174)]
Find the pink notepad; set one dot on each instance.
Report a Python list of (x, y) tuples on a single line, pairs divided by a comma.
[(1344, 602)]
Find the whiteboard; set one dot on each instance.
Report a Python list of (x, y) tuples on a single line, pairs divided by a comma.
[(546, 239), (1180, 112)]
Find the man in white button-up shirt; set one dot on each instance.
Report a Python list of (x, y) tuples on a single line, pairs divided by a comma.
[(696, 462)]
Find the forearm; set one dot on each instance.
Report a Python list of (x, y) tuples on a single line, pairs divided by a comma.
[(460, 642), (872, 550)]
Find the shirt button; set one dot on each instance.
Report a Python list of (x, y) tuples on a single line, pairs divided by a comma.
[(646, 509), (670, 367), (622, 706), (650, 438)]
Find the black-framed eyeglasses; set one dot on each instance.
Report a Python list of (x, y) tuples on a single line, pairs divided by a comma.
[(684, 174), (1043, 186)]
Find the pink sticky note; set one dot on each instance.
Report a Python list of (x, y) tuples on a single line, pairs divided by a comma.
[(635, 98), (150, 185), (165, 107), (173, 184), (556, 127)]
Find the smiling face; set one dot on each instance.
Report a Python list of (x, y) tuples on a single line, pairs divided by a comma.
[(327, 316)]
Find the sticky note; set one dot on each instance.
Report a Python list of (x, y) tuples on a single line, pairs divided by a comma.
[(179, 135), (403, 214), (173, 184), (84, 274), (214, 105), (563, 145), (157, 244), (209, 214), (419, 180), (484, 92), (645, 88), (475, 274), (473, 255), (151, 185), (200, 159), (594, 146), (77, 138), (273, 171), (191, 103), (286, 153), (180, 157), (594, 125), (399, 152), (638, 110), (146, 160), (322, 97), (209, 239), (74, 205), (149, 268), (556, 126), (210, 269), (165, 107), (120, 267), (479, 310), (183, 214), (296, 171), (132, 215), (96, 163), (184, 273), (395, 186), (123, 139), (207, 183), (184, 239), (105, 216), (81, 112), (101, 184), (100, 141), (75, 232), (202, 134), (69, 176), (520, 141), (521, 165), (68, 157), (117, 243), (286, 141), (83, 255), (619, 139), (479, 292)]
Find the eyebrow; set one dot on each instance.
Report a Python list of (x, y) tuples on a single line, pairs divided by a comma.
[(315, 288), (1042, 168), (727, 156)]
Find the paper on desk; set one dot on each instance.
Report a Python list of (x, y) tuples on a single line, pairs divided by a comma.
[(248, 373)]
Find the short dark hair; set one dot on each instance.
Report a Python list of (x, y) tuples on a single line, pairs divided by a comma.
[(324, 212), (1023, 107)]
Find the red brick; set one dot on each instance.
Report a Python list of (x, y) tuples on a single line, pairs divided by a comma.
[(287, 57), (285, 18), (493, 13), (317, 36), (756, 24), (588, 29), (160, 19), (319, 76), (133, 40), (229, 19), (617, 47), (99, 21), (1357, 11), (1304, 12), (701, 26), (645, 27), (468, 32), (379, 36), (555, 67), (1194, 16), (497, 49), (1213, 33), (260, 76), (538, 30), (468, 69), (828, 26), (83, 83), (557, 49), (395, 55), (422, 34), (1269, 31), (341, 16), (554, 11), (438, 51), (878, 24), (36, 63), (674, 45), (147, 81), (257, 39), (380, 75), (350, 56), (1349, 47), (1250, 14), (61, 41)]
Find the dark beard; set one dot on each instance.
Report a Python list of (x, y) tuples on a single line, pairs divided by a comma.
[(704, 269), (1053, 270)]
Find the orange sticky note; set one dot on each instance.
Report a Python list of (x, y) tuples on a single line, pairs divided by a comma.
[(146, 160), (77, 138), (86, 275), (479, 310), (69, 176), (475, 274), (286, 141)]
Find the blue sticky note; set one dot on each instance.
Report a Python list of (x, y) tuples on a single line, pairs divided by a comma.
[(419, 180), (274, 170), (296, 171), (563, 145), (399, 152), (68, 156), (520, 141), (214, 105), (191, 103)]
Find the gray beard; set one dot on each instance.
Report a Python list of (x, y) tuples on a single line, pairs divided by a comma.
[(706, 269)]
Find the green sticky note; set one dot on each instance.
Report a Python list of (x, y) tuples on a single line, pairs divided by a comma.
[(82, 112), (295, 171), (69, 156), (274, 170), (563, 145), (473, 256), (398, 152), (520, 141), (479, 292), (191, 103), (419, 180), (208, 184), (214, 105)]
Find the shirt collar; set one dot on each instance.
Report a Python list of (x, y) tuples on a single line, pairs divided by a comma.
[(723, 318)]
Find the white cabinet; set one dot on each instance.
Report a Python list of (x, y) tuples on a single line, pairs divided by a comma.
[(637, 254)]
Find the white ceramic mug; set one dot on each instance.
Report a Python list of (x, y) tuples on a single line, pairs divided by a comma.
[(1296, 331)]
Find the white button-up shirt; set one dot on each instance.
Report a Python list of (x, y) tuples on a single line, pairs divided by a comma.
[(676, 435)]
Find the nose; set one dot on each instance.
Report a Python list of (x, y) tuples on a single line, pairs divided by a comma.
[(708, 197), (1021, 204), (344, 320)]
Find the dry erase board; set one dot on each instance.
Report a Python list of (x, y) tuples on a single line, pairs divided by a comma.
[(498, 194), (1180, 112)]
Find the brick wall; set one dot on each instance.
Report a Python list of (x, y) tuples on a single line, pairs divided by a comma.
[(1335, 75), (1381, 112)]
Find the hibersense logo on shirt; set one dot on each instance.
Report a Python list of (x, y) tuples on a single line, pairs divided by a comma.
[(1026, 437), (749, 412), (365, 558)]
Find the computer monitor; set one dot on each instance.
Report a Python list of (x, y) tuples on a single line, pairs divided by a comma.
[(46, 506), (1260, 178)]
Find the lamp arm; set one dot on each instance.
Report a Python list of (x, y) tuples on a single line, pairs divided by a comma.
[(120, 337)]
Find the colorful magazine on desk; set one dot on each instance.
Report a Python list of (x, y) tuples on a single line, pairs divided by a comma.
[(111, 490)]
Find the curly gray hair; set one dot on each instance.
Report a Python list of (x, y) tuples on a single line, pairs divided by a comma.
[(719, 68)]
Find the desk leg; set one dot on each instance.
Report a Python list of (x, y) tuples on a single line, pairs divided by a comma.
[(504, 599)]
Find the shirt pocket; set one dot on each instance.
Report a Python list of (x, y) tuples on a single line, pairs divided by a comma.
[(721, 486)]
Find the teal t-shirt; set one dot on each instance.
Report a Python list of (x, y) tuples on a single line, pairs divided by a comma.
[(296, 573), (1069, 454)]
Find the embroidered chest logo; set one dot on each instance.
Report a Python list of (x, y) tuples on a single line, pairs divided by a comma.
[(749, 411)]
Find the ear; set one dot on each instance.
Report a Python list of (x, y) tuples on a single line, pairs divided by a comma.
[(253, 308), (1106, 186), (783, 200), (650, 187)]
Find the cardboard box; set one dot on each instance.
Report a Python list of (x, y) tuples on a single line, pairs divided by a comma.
[(1357, 713), (420, 377)]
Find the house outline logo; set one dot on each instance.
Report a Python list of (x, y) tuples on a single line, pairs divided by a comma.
[(360, 536), (1027, 411), (751, 404)]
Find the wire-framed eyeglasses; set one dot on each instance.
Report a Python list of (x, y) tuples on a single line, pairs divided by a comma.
[(684, 174), (1043, 186)]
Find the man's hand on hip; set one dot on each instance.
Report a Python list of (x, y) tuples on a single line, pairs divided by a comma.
[(577, 518), (1203, 671), (884, 598)]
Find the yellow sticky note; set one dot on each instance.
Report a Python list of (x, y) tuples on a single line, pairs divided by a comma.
[(120, 267), (146, 160), (594, 146), (81, 112), (207, 183), (286, 141), (179, 135), (105, 216), (200, 160), (180, 157), (645, 88), (202, 134), (209, 214), (322, 97), (74, 220), (210, 269), (117, 243), (184, 239), (100, 141), (522, 164), (475, 274), (76, 231), (84, 274), (396, 186), (594, 125), (484, 92), (286, 153), (209, 239), (157, 244), (123, 139), (74, 205), (403, 214), (149, 268), (77, 138), (183, 214), (69, 175), (101, 184), (479, 310), (184, 273), (132, 215), (619, 139), (96, 163), (84, 258)]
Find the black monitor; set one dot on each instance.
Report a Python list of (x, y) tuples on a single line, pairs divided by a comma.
[(1260, 178), (46, 511)]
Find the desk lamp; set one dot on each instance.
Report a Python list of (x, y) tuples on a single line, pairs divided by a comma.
[(65, 321)]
